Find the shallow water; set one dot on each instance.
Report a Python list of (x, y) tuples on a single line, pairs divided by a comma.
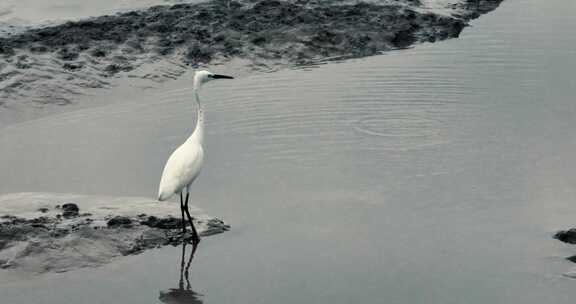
[(430, 175)]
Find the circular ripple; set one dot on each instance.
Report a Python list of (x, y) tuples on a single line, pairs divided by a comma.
[(403, 130)]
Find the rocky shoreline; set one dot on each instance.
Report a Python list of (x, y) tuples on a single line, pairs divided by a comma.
[(46, 65), (61, 237)]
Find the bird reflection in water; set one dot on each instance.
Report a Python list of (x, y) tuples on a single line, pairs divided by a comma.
[(182, 295)]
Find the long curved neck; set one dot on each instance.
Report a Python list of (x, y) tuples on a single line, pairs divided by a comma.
[(199, 130)]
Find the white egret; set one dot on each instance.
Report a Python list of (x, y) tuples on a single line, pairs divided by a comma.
[(185, 163)]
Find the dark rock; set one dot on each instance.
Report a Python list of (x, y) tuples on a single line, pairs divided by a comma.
[(162, 223), (70, 210), (119, 221), (566, 236), (43, 210)]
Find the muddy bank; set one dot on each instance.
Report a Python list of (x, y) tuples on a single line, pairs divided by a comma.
[(568, 237), (47, 65), (61, 232)]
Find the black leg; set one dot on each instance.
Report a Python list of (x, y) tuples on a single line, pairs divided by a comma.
[(182, 212), (195, 237), (181, 282), (187, 271)]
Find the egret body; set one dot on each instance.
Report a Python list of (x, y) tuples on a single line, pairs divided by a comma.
[(185, 163)]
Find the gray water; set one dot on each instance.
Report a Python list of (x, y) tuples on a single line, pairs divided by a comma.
[(430, 175)]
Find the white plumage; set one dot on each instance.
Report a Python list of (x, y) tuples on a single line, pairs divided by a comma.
[(182, 168), (185, 163)]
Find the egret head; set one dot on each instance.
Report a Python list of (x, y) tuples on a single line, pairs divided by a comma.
[(203, 76)]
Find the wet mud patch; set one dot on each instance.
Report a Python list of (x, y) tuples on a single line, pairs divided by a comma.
[(41, 232), (568, 237), (48, 64)]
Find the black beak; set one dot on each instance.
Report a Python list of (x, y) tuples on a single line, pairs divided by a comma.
[(216, 76)]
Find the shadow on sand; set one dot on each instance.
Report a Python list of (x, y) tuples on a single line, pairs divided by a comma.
[(182, 294)]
